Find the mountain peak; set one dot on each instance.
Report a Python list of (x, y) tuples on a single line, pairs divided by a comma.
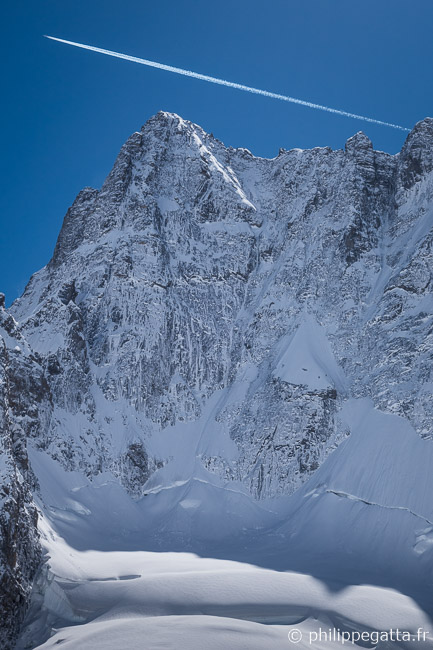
[(358, 141), (421, 134), (417, 152), (169, 120)]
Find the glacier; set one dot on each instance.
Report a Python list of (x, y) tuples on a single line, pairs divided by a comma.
[(216, 400)]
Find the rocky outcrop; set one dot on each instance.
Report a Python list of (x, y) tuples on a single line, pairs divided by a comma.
[(23, 397)]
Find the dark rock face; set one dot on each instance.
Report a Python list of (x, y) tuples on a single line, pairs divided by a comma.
[(135, 468), (202, 284), (24, 395)]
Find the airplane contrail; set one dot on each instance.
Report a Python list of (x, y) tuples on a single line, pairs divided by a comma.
[(229, 84)]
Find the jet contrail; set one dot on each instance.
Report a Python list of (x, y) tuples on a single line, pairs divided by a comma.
[(229, 84)]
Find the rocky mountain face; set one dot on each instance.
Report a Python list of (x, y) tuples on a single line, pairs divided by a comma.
[(24, 403), (231, 302)]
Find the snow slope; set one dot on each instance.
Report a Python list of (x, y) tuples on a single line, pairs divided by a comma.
[(309, 360), (359, 516), (178, 600)]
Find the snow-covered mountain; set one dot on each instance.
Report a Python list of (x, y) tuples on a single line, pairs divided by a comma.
[(228, 355)]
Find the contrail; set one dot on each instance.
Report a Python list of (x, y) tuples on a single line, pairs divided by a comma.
[(229, 84)]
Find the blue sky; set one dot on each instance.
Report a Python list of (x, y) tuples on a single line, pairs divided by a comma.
[(66, 112)]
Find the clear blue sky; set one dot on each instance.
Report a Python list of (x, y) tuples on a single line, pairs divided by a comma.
[(66, 112)]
